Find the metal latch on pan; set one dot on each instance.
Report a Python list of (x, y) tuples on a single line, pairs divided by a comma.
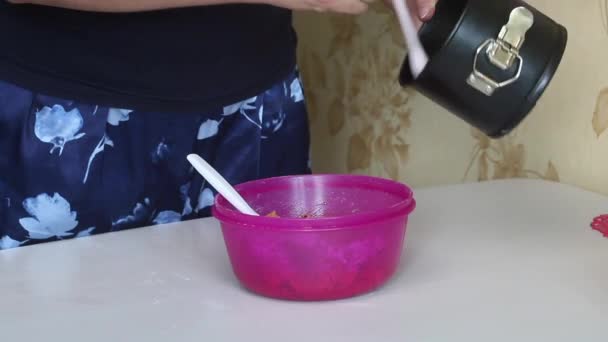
[(503, 52)]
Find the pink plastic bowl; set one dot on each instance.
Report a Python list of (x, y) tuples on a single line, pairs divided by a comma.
[(351, 245)]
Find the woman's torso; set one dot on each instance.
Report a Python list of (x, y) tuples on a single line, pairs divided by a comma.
[(187, 59)]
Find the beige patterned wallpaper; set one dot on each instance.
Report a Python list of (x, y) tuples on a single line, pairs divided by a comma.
[(364, 122)]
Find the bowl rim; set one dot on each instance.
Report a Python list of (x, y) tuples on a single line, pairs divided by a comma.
[(404, 207)]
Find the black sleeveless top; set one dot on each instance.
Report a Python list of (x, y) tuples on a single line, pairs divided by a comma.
[(178, 60)]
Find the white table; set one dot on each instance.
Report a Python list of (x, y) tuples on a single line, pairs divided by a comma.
[(500, 261)]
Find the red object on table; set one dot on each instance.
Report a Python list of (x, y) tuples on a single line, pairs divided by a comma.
[(600, 224)]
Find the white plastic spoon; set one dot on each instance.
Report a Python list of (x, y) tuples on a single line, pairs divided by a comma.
[(417, 57), (220, 184)]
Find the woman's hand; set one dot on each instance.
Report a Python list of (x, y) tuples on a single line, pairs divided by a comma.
[(424, 9), (338, 6), (421, 9), (335, 6)]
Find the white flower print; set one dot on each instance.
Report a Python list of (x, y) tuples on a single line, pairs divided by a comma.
[(161, 152), (296, 91), (208, 129), (275, 115), (239, 106), (232, 109), (86, 232), (261, 113), (118, 115), (57, 127), (7, 243), (244, 108), (276, 122), (51, 217), (141, 215), (183, 190), (98, 149), (205, 199), (165, 217), (145, 214)]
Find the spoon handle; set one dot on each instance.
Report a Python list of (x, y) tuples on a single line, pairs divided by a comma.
[(418, 58), (220, 184)]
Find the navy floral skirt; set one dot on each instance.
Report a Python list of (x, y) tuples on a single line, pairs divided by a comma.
[(70, 169)]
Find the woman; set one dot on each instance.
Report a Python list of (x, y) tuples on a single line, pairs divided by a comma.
[(101, 101)]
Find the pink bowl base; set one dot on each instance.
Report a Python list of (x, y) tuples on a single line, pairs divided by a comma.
[(310, 267)]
